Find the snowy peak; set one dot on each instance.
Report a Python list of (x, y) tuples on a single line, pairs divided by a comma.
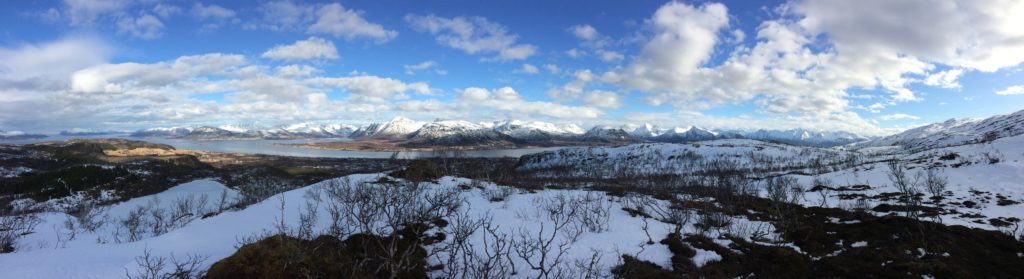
[(17, 135), (607, 134), (954, 132), (535, 130), (647, 131), (396, 128)]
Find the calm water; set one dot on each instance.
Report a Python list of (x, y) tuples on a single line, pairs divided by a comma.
[(278, 147)]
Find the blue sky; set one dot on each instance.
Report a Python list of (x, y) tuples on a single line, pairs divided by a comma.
[(871, 67)]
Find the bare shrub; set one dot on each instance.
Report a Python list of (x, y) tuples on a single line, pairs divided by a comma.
[(905, 185), (935, 183), (400, 212), (13, 226), (541, 250), (160, 267), (497, 193), (258, 188)]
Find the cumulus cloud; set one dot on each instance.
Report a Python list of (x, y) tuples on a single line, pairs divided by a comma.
[(981, 35), (85, 12), (336, 20), (295, 71), (373, 88), (552, 68), (125, 77), (584, 32), (897, 116), (510, 104), (610, 56), (473, 35), (573, 89), (144, 26), (285, 15), (46, 66), (603, 99), (1012, 90), (528, 69), (423, 66), (944, 79), (308, 49), (212, 11)]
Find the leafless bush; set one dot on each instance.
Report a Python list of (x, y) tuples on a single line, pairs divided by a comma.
[(13, 226), (935, 183), (497, 193), (905, 185), (156, 267), (132, 226), (541, 250), (710, 219), (992, 158), (463, 259), (780, 191), (309, 216), (258, 188), (595, 211), (90, 218), (680, 217), (385, 210)]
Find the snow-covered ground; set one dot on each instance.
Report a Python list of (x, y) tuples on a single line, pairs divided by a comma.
[(975, 173), (48, 253)]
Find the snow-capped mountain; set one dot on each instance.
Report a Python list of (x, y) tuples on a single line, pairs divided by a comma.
[(18, 135), (88, 132), (310, 130), (687, 134), (647, 131), (456, 132), (507, 132), (171, 132), (806, 137), (607, 134), (536, 131), (396, 128), (953, 132)]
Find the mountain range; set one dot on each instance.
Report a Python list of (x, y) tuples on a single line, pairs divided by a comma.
[(499, 133), (953, 132)]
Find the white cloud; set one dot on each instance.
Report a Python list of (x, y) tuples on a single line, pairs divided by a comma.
[(372, 88), (575, 53), (85, 12), (552, 68), (49, 64), (336, 20), (1012, 90), (609, 56), (897, 116), (944, 79), (423, 66), (295, 71), (603, 99), (528, 69), (584, 32), (144, 27), (308, 49), (572, 89), (286, 15), (473, 35), (165, 10), (127, 77), (212, 11), (510, 104), (982, 35)]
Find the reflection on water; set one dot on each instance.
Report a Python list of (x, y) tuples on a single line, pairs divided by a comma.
[(279, 147)]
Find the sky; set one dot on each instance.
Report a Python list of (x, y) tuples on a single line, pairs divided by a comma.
[(871, 67)]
